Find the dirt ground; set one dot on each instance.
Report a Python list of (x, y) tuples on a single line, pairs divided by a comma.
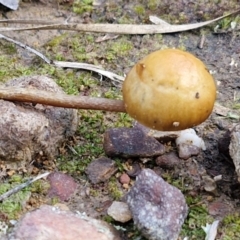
[(220, 52)]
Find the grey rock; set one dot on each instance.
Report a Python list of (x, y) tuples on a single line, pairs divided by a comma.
[(131, 142), (158, 209), (50, 222), (101, 169)]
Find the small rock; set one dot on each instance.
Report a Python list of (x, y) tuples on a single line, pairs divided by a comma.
[(158, 209), (209, 184), (185, 151), (61, 185), (219, 209), (135, 170), (131, 142), (120, 212), (51, 223), (101, 169), (168, 161), (124, 179)]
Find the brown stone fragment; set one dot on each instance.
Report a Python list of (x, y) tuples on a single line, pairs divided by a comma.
[(100, 170), (131, 142), (169, 160), (61, 185)]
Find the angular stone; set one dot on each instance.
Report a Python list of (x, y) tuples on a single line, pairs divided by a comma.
[(168, 160), (185, 151), (120, 212), (61, 185), (131, 142), (158, 209), (51, 223), (101, 169)]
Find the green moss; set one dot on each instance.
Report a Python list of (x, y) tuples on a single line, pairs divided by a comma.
[(139, 10), (197, 217), (41, 187), (13, 205), (114, 190), (225, 23), (81, 6), (230, 227), (54, 42), (153, 4)]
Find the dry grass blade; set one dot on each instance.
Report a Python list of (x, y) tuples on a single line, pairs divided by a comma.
[(90, 67), (22, 45), (121, 28)]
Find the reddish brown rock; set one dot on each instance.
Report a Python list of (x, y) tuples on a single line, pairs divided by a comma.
[(49, 222), (220, 209), (101, 169), (61, 185), (168, 160), (124, 179), (158, 209), (131, 142)]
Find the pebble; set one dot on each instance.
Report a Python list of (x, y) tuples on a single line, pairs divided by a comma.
[(185, 151), (120, 212), (124, 179), (101, 169), (168, 161)]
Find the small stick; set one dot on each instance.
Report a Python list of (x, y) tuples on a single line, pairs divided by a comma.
[(60, 99), (21, 186)]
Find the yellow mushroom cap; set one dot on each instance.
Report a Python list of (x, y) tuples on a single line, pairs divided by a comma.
[(169, 90)]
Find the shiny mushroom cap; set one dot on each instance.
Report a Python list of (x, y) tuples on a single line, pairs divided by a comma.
[(169, 90)]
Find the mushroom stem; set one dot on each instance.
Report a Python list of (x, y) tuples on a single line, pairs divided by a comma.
[(61, 100)]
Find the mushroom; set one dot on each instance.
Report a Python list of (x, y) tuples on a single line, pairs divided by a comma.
[(167, 90)]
